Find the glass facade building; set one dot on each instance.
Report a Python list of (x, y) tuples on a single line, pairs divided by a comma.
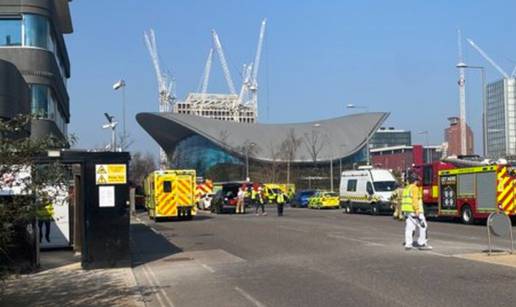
[(389, 137), (31, 37), (196, 152), (501, 119)]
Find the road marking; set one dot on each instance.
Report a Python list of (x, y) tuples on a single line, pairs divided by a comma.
[(208, 268), (249, 297), (157, 294), (365, 242), (155, 283)]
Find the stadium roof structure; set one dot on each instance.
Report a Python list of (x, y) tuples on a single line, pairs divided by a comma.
[(332, 139)]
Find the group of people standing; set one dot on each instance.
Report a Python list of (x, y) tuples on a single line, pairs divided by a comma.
[(257, 196)]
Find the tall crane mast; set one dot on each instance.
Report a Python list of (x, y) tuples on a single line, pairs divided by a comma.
[(258, 53), (206, 74), (165, 85), (462, 96), (222, 58)]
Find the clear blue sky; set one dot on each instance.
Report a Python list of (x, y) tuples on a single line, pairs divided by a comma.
[(394, 56)]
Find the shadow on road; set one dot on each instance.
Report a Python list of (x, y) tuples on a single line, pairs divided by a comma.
[(148, 246)]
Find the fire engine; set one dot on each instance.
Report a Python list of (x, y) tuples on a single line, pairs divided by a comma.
[(470, 190)]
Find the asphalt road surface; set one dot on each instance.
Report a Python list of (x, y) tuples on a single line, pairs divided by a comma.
[(312, 258)]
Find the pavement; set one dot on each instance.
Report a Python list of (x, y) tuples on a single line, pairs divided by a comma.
[(315, 258), (61, 282), (305, 258)]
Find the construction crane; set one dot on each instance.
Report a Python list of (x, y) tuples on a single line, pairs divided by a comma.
[(256, 65), (206, 74), (165, 85), (485, 56), (222, 58), (462, 95)]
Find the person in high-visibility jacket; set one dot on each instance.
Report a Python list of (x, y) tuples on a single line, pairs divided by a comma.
[(396, 199), (412, 208), (45, 214), (280, 202), (257, 197)]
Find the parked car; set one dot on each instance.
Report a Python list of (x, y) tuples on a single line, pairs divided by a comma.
[(204, 202), (225, 199), (324, 199), (301, 198)]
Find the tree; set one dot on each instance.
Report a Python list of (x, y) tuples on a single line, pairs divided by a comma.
[(314, 144), (289, 148), (140, 166), (25, 185)]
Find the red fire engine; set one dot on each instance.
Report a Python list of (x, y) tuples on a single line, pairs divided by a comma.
[(470, 192)]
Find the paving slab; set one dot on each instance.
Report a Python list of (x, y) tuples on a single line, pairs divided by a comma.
[(62, 282)]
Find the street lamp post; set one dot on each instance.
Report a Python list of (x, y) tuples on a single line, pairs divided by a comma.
[(111, 125), (317, 125), (120, 84), (352, 106), (247, 160), (484, 106), (340, 161)]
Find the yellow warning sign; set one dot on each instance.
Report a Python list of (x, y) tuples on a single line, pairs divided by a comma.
[(111, 173)]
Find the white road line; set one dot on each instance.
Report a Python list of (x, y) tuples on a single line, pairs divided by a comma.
[(156, 283), (155, 231), (367, 243), (208, 268), (158, 296), (256, 302)]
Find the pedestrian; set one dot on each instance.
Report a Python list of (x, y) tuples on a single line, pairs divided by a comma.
[(280, 202), (259, 201), (412, 208), (396, 199), (240, 201), (45, 215)]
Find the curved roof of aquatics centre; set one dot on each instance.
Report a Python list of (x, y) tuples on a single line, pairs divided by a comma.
[(336, 138)]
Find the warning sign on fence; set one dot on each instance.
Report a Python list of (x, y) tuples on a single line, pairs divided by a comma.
[(111, 173)]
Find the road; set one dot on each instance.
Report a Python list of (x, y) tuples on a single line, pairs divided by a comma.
[(312, 258)]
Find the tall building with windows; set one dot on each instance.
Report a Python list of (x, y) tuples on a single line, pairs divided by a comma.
[(453, 138), (389, 137), (500, 126), (32, 39)]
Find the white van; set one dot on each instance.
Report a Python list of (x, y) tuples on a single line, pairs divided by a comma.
[(367, 189)]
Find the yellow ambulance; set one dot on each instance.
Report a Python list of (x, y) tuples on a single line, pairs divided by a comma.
[(170, 193)]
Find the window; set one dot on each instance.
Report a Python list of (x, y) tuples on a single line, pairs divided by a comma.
[(45, 105), (369, 188), (167, 186), (384, 186), (427, 175), (39, 100), (352, 185), (36, 31), (10, 32)]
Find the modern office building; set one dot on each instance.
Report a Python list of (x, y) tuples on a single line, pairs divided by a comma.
[(500, 130), (389, 137), (207, 144), (32, 40), (453, 138)]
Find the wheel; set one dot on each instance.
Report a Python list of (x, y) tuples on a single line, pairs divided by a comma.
[(374, 209), (466, 215), (348, 208)]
